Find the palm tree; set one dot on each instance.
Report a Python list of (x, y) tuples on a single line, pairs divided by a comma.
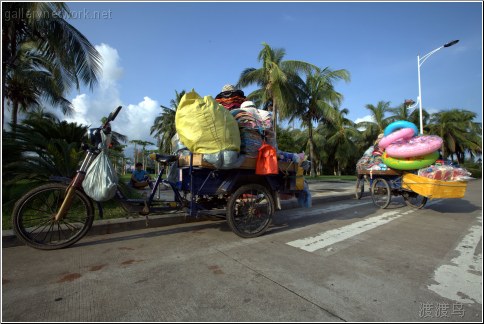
[(402, 113), (459, 132), (317, 99), (46, 47), (164, 125), (379, 121), (342, 136), (291, 140), (40, 148), (135, 142), (27, 86), (275, 80), (42, 113), (143, 144), (143, 151)]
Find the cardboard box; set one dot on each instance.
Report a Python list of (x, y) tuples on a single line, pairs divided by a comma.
[(249, 163)]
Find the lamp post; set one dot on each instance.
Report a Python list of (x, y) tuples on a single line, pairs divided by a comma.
[(420, 61)]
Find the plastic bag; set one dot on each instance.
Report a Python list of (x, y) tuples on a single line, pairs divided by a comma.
[(204, 126), (101, 179), (266, 160), (224, 159)]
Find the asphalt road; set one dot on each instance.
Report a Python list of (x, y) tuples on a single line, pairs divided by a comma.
[(339, 261)]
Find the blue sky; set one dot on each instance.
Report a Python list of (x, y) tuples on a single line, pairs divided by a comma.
[(152, 49)]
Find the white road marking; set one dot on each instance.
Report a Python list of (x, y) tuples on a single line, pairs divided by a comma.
[(461, 281), (314, 211), (330, 237)]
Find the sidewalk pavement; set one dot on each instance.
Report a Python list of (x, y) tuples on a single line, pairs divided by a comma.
[(321, 192)]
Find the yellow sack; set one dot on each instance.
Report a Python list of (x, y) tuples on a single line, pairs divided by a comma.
[(204, 126)]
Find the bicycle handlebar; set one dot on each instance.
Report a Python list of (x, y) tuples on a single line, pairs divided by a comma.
[(116, 112), (94, 135), (112, 116)]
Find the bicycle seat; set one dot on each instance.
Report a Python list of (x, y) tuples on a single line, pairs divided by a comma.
[(163, 158)]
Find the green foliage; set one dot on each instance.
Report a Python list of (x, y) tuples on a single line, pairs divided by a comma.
[(37, 149), (275, 80), (43, 56), (164, 125), (291, 140), (460, 133), (474, 168)]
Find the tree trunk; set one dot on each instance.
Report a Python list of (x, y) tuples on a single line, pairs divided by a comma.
[(143, 158), (15, 106), (311, 150), (444, 155), (274, 115), (4, 75)]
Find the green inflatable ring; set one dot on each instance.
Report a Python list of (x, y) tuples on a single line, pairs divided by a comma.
[(411, 163)]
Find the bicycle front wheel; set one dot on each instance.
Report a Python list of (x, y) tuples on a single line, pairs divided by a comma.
[(34, 217)]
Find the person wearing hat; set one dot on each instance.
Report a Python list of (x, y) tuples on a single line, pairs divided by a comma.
[(230, 97), (248, 104), (228, 87)]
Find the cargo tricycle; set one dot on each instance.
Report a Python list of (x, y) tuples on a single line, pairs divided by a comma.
[(58, 214)]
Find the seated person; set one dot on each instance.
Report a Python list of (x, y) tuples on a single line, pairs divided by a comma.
[(140, 178)]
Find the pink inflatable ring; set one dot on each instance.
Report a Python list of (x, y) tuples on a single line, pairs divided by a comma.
[(416, 146), (403, 133)]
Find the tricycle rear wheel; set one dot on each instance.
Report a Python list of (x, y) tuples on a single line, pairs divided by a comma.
[(413, 199), (250, 210), (380, 192)]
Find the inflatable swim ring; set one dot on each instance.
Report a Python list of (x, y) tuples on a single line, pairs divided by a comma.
[(416, 146), (403, 133), (399, 124), (413, 163)]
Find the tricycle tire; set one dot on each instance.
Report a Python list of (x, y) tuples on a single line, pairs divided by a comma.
[(414, 200), (360, 187), (250, 210), (380, 193)]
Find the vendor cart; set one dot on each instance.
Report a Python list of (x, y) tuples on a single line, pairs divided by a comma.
[(414, 189)]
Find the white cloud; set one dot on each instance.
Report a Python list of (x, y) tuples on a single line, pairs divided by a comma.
[(134, 120), (112, 72), (367, 118), (80, 103)]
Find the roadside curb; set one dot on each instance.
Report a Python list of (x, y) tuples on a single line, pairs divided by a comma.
[(110, 226)]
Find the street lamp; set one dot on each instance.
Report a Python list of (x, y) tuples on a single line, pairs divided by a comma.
[(420, 61)]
